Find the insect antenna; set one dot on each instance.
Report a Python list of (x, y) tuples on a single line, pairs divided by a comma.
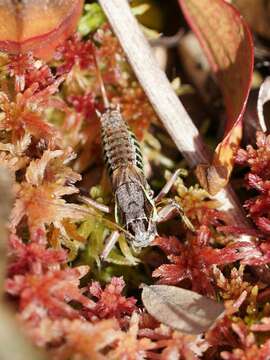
[(101, 84)]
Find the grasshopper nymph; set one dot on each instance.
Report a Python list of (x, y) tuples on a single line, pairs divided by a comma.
[(135, 207)]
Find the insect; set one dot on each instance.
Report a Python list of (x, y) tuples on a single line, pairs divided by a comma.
[(135, 207)]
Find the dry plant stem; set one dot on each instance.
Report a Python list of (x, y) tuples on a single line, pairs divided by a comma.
[(164, 100), (13, 344)]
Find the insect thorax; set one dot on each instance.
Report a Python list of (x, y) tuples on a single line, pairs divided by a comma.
[(135, 213)]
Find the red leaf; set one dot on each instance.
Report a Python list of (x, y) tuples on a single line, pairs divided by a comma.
[(227, 43), (37, 25)]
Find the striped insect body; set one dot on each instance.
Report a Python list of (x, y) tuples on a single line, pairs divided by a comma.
[(134, 207), (118, 144)]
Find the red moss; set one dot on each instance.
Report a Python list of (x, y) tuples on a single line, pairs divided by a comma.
[(248, 348), (258, 179), (96, 322), (27, 70), (129, 346), (19, 67), (257, 159), (170, 344), (194, 260), (70, 339), (178, 346), (24, 114), (48, 295), (261, 258), (136, 109), (33, 257), (39, 196), (75, 52), (110, 301), (41, 75), (221, 334), (83, 104), (110, 53)]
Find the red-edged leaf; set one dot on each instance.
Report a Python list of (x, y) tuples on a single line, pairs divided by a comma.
[(37, 25), (227, 42)]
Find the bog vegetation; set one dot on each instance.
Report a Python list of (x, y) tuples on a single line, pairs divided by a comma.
[(71, 303)]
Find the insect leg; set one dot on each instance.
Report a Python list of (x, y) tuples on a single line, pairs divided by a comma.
[(167, 187), (109, 244), (172, 209), (95, 204)]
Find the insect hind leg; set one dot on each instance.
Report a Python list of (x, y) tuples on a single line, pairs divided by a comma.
[(110, 242), (170, 210), (167, 187)]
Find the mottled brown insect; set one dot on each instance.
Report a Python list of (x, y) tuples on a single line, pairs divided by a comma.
[(135, 207)]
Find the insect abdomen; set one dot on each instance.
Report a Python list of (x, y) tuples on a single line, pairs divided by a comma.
[(119, 144)]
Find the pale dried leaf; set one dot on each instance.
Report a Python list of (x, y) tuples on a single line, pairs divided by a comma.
[(181, 309)]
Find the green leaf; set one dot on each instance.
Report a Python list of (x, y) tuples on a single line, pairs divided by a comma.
[(126, 251), (95, 231), (140, 9), (92, 19), (116, 258), (127, 258), (95, 17)]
